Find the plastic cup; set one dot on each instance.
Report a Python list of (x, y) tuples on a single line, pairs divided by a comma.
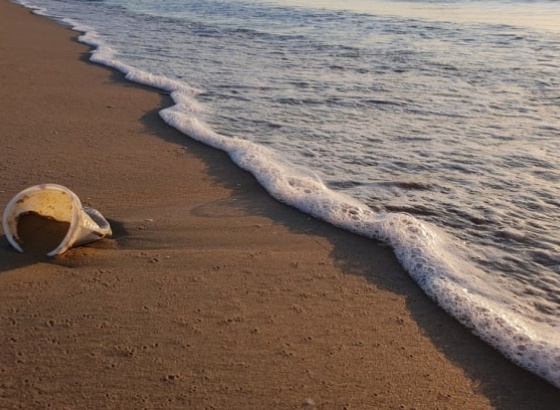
[(51, 218)]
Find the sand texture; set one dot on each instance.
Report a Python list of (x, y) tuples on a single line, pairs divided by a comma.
[(210, 295)]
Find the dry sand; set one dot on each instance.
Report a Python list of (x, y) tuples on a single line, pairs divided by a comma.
[(211, 295)]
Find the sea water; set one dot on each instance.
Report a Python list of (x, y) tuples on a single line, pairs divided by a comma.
[(433, 126)]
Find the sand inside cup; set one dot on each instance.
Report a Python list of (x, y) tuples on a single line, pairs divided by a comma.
[(40, 234)]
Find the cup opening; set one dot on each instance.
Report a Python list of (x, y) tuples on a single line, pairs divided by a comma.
[(40, 234)]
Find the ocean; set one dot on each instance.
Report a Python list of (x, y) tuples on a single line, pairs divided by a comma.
[(430, 125)]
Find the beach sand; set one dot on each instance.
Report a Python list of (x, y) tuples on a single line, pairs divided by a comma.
[(210, 295)]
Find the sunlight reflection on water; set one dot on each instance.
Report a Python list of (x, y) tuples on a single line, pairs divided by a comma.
[(535, 14)]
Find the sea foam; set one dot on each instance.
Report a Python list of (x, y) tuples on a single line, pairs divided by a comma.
[(431, 258)]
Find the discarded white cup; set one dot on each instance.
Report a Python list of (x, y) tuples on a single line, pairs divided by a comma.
[(50, 218)]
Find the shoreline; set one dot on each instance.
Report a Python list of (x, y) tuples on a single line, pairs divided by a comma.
[(211, 294)]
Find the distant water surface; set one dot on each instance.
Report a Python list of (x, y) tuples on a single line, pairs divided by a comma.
[(539, 14)]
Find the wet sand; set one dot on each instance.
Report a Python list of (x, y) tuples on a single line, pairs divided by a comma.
[(210, 295)]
